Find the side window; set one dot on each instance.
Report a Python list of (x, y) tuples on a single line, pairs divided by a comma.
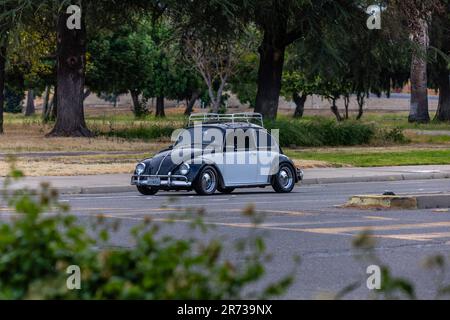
[(266, 142), (240, 140), (250, 140)]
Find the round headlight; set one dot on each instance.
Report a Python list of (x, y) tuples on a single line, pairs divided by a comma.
[(184, 169), (140, 168)]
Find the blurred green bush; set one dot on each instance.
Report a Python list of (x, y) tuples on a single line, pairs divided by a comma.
[(41, 240)]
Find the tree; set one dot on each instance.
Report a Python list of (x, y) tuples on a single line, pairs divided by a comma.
[(121, 62), (439, 64), (143, 60), (217, 57), (417, 15), (2, 82), (243, 82), (297, 87), (282, 23), (338, 65), (30, 108), (6, 23), (71, 47), (71, 62)]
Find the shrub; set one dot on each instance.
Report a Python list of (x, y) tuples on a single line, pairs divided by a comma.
[(303, 133), (318, 132), (394, 135), (36, 249)]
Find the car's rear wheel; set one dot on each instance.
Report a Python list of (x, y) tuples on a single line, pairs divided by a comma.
[(207, 181), (147, 191), (284, 180), (225, 190)]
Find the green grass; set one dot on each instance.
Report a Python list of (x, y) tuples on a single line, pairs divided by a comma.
[(376, 159), (400, 120)]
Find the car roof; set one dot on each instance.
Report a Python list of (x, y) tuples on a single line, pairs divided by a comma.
[(230, 125)]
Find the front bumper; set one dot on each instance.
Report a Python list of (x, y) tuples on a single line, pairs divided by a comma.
[(300, 174), (165, 181)]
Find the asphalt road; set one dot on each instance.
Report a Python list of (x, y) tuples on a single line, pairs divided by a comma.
[(307, 223)]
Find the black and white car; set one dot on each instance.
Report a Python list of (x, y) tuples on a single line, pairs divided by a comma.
[(219, 152)]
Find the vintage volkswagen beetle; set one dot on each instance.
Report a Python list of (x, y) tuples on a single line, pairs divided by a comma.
[(219, 152)]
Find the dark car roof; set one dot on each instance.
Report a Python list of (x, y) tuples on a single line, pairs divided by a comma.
[(230, 125)]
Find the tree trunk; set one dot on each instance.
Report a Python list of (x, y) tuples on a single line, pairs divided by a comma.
[(53, 114), (138, 108), (346, 104), (360, 98), (335, 110), (2, 84), (299, 101), (45, 103), (269, 75), (71, 62), (160, 107), (190, 105), (30, 108), (443, 111), (419, 83), (215, 104)]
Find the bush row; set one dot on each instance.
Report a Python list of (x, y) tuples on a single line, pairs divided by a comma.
[(293, 133)]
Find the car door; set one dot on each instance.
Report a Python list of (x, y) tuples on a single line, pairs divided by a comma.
[(268, 156), (240, 158)]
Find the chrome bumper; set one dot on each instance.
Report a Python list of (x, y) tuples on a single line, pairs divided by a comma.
[(300, 174), (165, 181)]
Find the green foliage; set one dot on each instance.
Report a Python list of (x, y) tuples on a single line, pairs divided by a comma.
[(322, 132), (144, 60), (34, 246), (297, 82), (394, 135), (244, 81), (13, 103), (119, 62), (42, 240)]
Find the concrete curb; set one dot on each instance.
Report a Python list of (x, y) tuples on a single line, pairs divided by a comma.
[(383, 178), (313, 181), (405, 201)]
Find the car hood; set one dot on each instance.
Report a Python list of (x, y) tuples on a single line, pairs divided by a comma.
[(168, 160)]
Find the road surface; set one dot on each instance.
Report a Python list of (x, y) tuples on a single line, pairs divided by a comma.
[(307, 223)]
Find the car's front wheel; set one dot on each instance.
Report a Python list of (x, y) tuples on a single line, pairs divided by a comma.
[(147, 191), (284, 180), (207, 181)]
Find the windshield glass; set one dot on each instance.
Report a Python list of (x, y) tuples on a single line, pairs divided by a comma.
[(199, 137)]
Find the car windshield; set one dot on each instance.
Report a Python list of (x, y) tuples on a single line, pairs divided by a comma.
[(200, 137)]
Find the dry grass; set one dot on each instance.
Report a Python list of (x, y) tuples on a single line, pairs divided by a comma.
[(30, 137), (51, 168), (310, 164), (72, 166)]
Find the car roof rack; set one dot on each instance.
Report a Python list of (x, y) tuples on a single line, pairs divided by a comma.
[(248, 117)]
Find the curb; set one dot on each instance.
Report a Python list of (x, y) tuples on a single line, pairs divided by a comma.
[(312, 181), (405, 201), (386, 178)]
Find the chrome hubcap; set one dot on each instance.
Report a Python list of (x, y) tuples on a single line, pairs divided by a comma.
[(208, 181), (285, 178)]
